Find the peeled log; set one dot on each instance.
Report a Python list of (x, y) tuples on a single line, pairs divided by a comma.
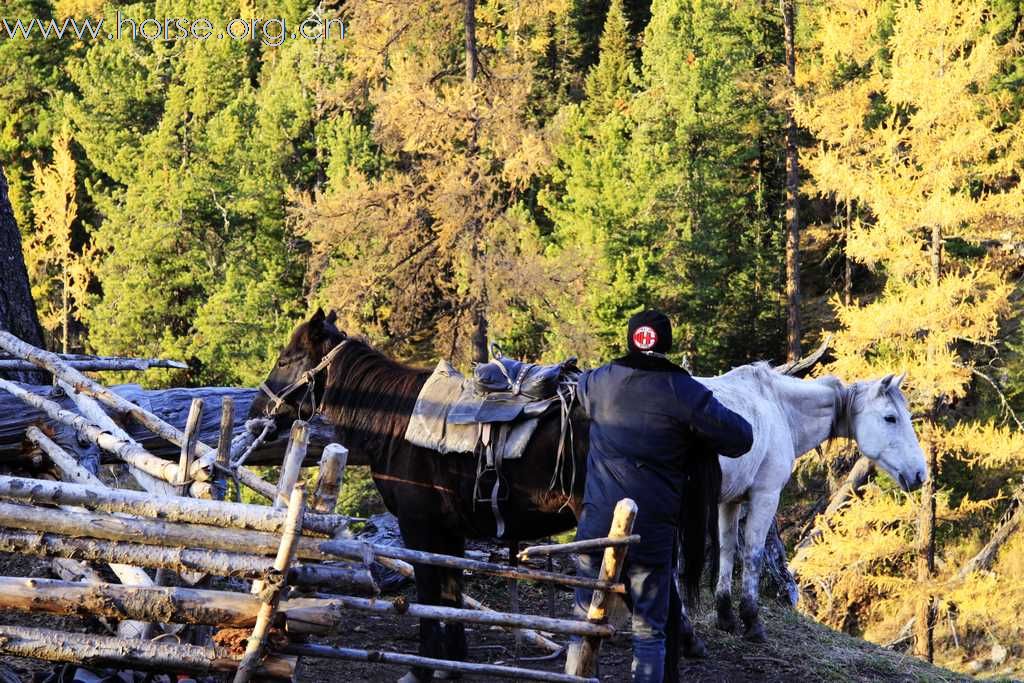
[(270, 594), (132, 576), (171, 405), (79, 382), (127, 451), (159, 533), (531, 636), (329, 480), (97, 364), (114, 601), (239, 565), (212, 512), (104, 651), (238, 610)]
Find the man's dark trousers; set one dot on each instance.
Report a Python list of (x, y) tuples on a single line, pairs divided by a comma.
[(649, 589)]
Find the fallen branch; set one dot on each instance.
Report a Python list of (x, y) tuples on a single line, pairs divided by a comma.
[(399, 659), (858, 476)]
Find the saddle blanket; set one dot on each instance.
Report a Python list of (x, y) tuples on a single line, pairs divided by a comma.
[(451, 417)]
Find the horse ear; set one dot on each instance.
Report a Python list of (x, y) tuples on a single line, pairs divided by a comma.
[(318, 317), (332, 316), (899, 380), (884, 384)]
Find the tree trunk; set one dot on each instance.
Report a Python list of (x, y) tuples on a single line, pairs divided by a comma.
[(924, 636), (17, 308), (847, 263), (479, 308), (924, 641), (792, 190), (471, 55)]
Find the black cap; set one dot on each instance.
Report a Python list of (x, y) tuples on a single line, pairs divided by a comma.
[(649, 331)]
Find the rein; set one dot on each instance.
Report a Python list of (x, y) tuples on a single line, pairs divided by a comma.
[(308, 377)]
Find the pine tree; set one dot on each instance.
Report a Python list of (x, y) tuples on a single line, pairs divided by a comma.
[(596, 204), (711, 70), (192, 163)]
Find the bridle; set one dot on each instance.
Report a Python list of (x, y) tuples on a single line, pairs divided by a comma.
[(308, 380)]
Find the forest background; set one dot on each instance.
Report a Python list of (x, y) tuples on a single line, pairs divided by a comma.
[(535, 172)]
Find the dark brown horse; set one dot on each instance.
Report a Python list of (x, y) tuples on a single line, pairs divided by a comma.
[(369, 399)]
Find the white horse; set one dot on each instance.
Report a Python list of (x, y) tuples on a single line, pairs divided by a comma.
[(790, 417)]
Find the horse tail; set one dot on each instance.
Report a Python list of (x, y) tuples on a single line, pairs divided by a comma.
[(699, 524)]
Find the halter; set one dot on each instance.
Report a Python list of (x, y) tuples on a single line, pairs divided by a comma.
[(307, 378)]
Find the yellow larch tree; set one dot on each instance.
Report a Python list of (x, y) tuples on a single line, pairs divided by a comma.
[(914, 131), (58, 267)]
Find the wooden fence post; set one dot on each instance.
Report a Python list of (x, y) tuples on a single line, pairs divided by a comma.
[(622, 525), (188, 445), (292, 464), (273, 586), (328, 483), (227, 427)]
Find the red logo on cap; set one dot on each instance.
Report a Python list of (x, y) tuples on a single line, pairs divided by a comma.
[(645, 338)]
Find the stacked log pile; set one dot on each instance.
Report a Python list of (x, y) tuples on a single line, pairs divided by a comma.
[(307, 576)]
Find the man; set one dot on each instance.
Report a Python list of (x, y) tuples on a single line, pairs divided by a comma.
[(646, 416)]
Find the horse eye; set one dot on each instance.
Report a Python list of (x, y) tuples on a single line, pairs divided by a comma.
[(891, 419)]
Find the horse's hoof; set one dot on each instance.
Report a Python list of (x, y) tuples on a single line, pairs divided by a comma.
[(409, 678), (694, 648), (726, 619), (755, 633)]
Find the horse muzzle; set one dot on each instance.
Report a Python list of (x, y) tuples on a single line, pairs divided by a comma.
[(912, 483)]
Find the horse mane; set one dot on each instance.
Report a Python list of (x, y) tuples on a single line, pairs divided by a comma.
[(368, 396)]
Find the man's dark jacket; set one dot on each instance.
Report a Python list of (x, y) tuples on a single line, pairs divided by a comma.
[(646, 415)]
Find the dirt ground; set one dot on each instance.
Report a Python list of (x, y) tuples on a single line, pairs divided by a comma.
[(799, 649)]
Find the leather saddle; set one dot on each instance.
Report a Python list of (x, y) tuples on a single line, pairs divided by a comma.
[(530, 380), (506, 390)]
